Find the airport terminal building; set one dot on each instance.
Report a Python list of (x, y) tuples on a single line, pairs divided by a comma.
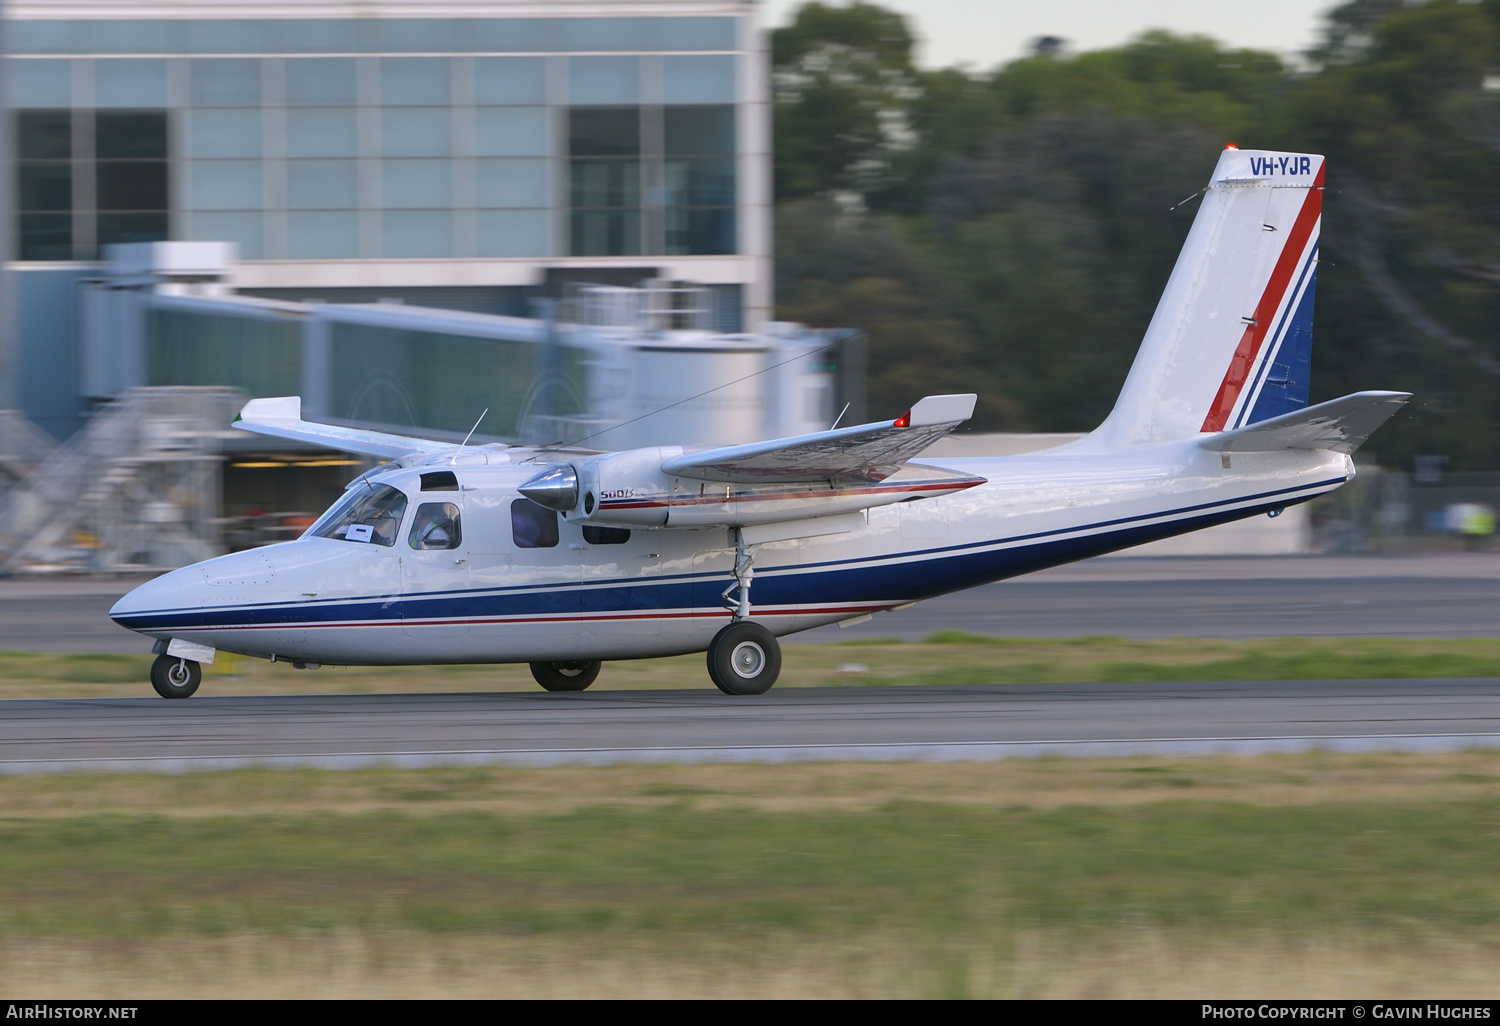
[(549, 217), (470, 157)]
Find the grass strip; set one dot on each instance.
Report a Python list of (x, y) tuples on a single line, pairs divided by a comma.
[(933, 870), (1313, 874)]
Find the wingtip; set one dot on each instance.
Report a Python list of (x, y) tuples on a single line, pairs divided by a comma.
[(286, 407), (940, 409)]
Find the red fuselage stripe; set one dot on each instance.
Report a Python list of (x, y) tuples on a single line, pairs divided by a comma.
[(1265, 313)]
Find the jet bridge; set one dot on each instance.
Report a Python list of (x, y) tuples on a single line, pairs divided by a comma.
[(626, 366)]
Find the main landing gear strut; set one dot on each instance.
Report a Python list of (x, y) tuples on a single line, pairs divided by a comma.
[(744, 658)]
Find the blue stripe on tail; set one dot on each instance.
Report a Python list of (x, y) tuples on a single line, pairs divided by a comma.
[(1290, 366)]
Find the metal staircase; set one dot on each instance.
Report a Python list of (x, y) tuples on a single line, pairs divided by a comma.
[(136, 490), (23, 448)]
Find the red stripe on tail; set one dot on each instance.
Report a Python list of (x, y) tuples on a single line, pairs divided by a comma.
[(1265, 311)]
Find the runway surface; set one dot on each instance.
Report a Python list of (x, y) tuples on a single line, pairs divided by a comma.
[(794, 724), (1445, 595), (1431, 596)]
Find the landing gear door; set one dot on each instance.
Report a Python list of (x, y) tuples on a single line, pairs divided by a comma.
[(435, 569)]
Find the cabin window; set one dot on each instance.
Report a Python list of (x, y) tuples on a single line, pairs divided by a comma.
[(440, 481), (435, 526), (605, 535), (366, 515), (533, 526)]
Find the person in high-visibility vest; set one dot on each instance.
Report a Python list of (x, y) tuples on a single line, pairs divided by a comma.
[(1476, 525)]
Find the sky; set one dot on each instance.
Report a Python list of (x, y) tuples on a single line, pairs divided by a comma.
[(984, 33)]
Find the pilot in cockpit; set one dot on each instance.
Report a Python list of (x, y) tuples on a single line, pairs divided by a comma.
[(384, 515), (435, 526)]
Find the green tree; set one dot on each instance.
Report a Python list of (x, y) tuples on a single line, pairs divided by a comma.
[(843, 79), (1016, 229), (1409, 290), (840, 269)]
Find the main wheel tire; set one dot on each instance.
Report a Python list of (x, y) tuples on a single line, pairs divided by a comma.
[(566, 676), (744, 659), (174, 677)]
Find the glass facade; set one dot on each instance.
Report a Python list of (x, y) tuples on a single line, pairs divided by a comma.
[(604, 146), (390, 138), (44, 180), (434, 380), (651, 181), (89, 178), (699, 179), (444, 382), (263, 357), (372, 35)]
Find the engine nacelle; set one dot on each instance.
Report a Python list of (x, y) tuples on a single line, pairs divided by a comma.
[(624, 489)]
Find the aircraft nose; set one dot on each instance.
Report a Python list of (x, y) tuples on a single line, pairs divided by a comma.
[(143, 607)]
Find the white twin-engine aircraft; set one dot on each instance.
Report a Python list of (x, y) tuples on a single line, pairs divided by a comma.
[(562, 558)]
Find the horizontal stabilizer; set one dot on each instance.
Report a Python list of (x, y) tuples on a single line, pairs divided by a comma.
[(1341, 425), (868, 452), (282, 418)]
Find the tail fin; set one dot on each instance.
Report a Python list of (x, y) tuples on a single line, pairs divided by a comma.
[(1231, 341)]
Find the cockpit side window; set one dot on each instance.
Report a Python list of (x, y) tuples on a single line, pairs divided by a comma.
[(365, 515), (533, 526), (435, 527)]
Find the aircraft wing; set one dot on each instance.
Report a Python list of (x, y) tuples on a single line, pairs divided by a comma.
[(1341, 425), (868, 452), (282, 418)]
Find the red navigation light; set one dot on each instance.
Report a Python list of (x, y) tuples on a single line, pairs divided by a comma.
[(904, 420), (1231, 146)]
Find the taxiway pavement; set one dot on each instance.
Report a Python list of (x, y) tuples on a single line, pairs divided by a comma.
[(785, 725)]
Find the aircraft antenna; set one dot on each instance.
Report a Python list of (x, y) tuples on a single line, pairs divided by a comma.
[(473, 429), (1188, 199), (841, 415)]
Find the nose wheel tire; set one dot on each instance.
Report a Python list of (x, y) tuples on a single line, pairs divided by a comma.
[(744, 659), (566, 676), (174, 677)]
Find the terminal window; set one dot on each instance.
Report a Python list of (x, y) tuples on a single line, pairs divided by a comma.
[(648, 180), (86, 179), (44, 172), (699, 180), (604, 149)]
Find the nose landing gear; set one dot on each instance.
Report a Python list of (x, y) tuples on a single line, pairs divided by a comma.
[(175, 677)]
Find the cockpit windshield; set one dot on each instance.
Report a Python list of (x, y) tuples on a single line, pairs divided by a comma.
[(364, 515)]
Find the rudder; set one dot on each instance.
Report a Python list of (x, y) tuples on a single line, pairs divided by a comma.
[(1230, 343)]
